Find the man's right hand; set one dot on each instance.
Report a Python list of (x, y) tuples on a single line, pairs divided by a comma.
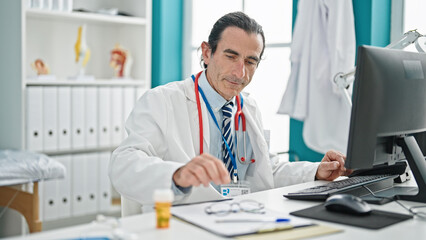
[(202, 169)]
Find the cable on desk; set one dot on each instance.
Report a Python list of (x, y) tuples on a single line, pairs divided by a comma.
[(410, 210)]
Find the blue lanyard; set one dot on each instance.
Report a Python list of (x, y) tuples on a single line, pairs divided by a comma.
[(217, 125)]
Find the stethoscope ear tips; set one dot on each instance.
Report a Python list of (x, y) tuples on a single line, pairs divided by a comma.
[(252, 161), (243, 159)]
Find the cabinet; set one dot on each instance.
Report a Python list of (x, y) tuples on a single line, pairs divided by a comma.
[(78, 122)]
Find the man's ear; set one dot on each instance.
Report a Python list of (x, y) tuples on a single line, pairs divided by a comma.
[(206, 51)]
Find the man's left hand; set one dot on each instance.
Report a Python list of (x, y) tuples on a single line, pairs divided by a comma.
[(332, 166)]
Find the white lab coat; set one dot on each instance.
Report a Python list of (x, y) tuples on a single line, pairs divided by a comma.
[(323, 45), (163, 134)]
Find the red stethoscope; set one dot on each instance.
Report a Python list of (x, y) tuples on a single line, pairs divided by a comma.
[(239, 115)]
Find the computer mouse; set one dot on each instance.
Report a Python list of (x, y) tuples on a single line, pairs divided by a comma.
[(346, 203)]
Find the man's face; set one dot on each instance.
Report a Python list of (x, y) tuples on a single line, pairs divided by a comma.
[(231, 68)]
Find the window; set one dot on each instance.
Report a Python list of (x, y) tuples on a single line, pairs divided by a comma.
[(272, 74), (414, 18)]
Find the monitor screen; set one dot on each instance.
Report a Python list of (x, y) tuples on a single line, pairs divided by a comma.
[(389, 101), (388, 111)]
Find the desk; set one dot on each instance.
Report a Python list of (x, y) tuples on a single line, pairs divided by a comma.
[(144, 225)]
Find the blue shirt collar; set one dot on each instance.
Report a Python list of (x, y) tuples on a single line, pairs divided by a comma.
[(216, 101)]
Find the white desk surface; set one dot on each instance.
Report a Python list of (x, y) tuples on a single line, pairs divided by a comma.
[(144, 225)]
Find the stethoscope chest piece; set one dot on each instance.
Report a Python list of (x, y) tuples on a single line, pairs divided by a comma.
[(240, 115)]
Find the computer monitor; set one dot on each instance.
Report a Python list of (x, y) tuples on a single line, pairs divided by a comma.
[(389, 107)]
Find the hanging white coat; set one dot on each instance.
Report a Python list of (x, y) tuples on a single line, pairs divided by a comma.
[(323, 45), (163, 134)]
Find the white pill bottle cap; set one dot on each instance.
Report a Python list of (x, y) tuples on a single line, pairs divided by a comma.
[(163, 195)]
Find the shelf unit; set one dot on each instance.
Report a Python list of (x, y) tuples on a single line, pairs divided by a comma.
[(88, 17), (29, 34), (97, 82)]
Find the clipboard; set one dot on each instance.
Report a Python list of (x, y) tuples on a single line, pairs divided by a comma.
[(295, 233), (195, 214)]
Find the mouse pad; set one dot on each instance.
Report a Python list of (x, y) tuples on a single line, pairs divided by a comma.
[(375, 220)]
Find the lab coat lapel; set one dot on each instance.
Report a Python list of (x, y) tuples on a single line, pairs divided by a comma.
[(193, 111), (261, 170)]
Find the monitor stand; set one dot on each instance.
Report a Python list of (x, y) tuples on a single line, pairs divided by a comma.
[(417, 164)]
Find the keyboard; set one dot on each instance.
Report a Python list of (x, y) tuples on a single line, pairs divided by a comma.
[(322, 192)]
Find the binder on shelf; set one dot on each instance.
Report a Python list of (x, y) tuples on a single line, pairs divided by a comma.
[(64, 118), (77, 115), (50, 200), (129, 103), (63, 188), (92, 170), (79, 199), (104, 117), (104, 199), (34, 130), (50, 120), (117, 115), (91, 117)]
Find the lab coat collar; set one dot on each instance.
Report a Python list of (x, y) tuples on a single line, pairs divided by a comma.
[(215, 100), (192, 107), (260, 170), (204, 84), (189, 89)]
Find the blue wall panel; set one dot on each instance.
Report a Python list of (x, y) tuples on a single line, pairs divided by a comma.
[(167, 28)]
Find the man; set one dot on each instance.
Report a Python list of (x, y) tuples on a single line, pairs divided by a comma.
[(163, 147)]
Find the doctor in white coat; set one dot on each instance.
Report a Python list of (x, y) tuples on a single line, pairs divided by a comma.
[(162, 149)]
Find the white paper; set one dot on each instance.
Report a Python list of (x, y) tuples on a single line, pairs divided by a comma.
[(196, 215), (201, 194)]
